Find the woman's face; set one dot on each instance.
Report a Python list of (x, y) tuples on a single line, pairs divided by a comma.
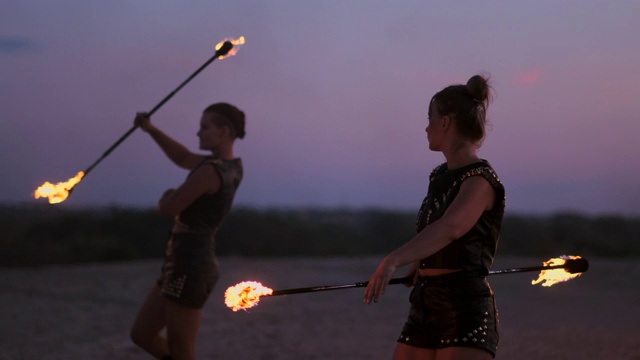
[(435, 129), (210, 135)]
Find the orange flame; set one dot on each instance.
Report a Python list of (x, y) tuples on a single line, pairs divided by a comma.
[(59, 192), (245, 295), (554, 276), (236, 45)]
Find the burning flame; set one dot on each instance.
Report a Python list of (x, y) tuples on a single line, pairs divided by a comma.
[(245, 295), (59, 192), (554, 276), (236, 45)]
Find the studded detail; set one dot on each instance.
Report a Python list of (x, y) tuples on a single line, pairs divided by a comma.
[(477, 335), (174, 288), (431, 204)]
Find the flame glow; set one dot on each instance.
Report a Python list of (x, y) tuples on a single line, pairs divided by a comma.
[(59, 192), (245, 295), (554, 276), (236, 46)]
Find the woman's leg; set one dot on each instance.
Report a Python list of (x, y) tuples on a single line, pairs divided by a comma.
[(183, 324), (462, 353), (149, 323), (406, 352)]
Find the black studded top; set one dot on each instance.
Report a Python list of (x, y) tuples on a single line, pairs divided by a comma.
[(475, 250)]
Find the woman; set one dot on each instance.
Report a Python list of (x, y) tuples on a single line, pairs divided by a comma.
[(199, 205), (453, 313)]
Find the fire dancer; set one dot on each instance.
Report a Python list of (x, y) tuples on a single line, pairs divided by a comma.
[(453, 313), (199, 205)]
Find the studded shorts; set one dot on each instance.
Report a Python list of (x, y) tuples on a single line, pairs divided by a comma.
[(190, 270), (452, 310)]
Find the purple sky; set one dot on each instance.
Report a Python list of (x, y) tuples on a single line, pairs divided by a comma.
[(335, 93)]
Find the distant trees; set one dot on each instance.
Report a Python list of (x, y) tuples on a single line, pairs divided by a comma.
[(37, 235), (250, 232), (571, 233)]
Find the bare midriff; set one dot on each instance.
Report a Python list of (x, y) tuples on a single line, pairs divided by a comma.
[(436, 272)]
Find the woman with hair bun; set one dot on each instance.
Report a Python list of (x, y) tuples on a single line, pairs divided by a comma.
[(199, 206), (453, 313)]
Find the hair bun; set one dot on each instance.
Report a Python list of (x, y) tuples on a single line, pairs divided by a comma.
[(478, 88)]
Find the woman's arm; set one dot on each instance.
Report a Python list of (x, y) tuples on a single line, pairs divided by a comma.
[(175, 151), (204, 180), (476, 196)]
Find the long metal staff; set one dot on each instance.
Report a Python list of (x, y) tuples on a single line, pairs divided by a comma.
[(222, 51), (572, 266), (59, 192)]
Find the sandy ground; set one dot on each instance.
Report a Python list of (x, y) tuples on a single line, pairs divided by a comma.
[(84, 312)]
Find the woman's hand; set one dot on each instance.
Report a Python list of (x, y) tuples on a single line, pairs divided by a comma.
[(379, 280), (143, 121)]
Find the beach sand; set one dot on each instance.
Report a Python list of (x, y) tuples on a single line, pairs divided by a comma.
[(85, 312)]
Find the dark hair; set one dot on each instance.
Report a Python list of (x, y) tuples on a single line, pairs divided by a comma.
[(232, 117), (467, 105)]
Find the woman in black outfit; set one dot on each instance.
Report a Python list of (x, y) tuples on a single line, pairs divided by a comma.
[(453, 314), (199, 205)]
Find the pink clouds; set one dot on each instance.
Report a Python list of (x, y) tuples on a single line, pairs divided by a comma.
[(529, 77)]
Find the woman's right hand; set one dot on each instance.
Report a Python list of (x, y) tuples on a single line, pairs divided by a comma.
[(379, 280), (143, 121)]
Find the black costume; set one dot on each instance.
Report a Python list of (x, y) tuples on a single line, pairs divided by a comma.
[(190, 269), (457, 309)]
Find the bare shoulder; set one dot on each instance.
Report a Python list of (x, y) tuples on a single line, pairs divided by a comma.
[(478, 188)]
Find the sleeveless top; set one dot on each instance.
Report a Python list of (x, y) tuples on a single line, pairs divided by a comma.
[(207, 213), (474, 251)]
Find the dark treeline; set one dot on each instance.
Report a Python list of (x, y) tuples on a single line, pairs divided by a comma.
[(39, 235)]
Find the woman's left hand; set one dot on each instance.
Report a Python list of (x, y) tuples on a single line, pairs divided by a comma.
[(143, 121), (379, 280)]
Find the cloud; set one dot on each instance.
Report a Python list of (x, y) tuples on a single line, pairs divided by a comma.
[(529, 78), (12, 45)]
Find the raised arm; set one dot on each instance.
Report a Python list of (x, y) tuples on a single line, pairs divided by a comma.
[(175, 151), (476, 195)]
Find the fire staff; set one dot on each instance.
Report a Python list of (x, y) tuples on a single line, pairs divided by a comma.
[(199, 205), (453, 313)]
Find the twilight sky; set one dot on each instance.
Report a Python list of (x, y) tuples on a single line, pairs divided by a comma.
[(335, 92)]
